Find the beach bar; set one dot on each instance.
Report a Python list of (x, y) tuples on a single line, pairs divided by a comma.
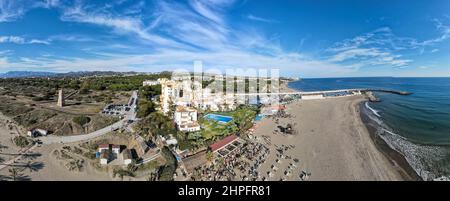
[(221, 144)]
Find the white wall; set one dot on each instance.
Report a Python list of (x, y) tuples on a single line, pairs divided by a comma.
[(312, 97)]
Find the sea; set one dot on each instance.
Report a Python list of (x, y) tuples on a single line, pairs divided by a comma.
[(416, 125)]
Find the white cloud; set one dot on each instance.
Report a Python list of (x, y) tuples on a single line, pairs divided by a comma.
[(357, 52), (423, 67), (123, 25), (21, 40), (444, 34), (379, 47), (206, 9), (382, 47), (11, 10), (260, 19), (12, 39), (36, 41), (71, 38), (4, 52)]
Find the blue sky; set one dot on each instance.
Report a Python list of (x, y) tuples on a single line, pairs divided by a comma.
[(310, 38)]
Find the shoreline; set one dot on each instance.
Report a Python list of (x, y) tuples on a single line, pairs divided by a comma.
[(397, 158)]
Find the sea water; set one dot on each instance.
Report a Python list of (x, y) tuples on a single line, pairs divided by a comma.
[(417, 125)]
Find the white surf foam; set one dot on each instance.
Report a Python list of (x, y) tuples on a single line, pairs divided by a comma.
[(375, 112)]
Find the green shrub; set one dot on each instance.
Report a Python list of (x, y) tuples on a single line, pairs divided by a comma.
[(21, 141), (81, 120)]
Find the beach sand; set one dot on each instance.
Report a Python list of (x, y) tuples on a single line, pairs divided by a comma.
[(54, 169), (332, 143), (8, 130)]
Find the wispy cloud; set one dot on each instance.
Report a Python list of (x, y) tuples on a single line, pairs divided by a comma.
[(5, 52), (21, 40), (423, 67), (37, 41), (382, 47), (71, 38), (11, 10), (379, 47), (260, 19), (208, 9), (121, 24)]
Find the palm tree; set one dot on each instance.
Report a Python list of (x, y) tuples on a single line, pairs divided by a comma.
[(16, 174), (4, 178), (2, 147), (33, 166), (31, 156)]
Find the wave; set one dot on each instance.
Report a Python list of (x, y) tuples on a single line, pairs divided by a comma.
[(375, 112)]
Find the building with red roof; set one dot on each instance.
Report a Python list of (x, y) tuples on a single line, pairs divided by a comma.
[(222, 143)]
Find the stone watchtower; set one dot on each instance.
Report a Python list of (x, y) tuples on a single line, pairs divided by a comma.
[(61, 98)]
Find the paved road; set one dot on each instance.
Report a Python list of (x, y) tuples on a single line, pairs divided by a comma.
[(76, 138), (131, 115)]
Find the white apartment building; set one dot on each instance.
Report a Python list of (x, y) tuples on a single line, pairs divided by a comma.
[(186, 119), (168, 94), (188, 94)]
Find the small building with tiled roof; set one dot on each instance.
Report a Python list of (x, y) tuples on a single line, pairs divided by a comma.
[(223, 143), (115, 149), (102, 147), (104, 157)]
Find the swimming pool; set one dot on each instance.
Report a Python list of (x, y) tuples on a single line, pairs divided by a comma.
[(219, 118), (259, 117)]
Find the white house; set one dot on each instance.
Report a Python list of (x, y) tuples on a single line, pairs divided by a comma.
[(115, 149), (189, 127), (185, 114), (108, 152), (37, 132), (104, 157), (186, 119), (172, 141)]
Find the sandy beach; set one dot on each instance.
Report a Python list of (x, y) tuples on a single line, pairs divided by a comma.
[(332, 143), (8, 130)]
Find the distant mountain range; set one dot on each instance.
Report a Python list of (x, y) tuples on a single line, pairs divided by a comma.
[(27, 74), (20, 74)]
